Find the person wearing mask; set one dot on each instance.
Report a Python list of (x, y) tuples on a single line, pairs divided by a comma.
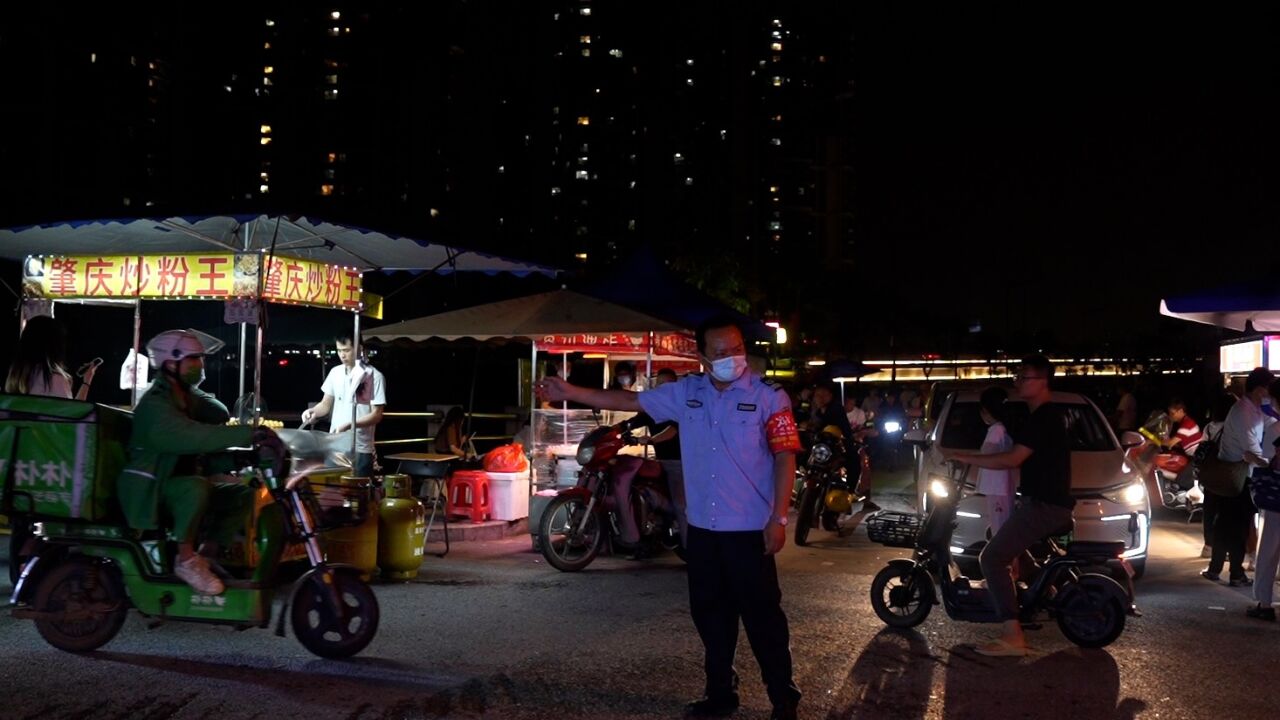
[(1042, 452), (350, 379), (178, 434), (1239, 451), (624, 377), (40, 365), (738, 441), (995, 484)]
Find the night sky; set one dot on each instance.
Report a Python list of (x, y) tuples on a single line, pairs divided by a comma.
[(1046, 175), (1062, 172)]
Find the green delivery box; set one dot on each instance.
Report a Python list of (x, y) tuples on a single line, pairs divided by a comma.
[(60, 458)]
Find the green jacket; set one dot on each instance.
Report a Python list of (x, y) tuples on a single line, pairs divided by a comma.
[(162, 433)]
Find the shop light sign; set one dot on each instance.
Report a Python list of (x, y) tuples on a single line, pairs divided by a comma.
[(1273, 353), (1240, 357), (192, 276)]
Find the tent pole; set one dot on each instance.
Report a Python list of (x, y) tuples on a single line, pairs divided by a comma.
[(257, 369), (244, 339), (136, 391), (564, 406), (355, 391), (648, 369)]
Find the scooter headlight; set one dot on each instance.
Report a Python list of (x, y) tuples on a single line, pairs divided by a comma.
[(939, 488), (585, 453), (821, 453), (892, 426)]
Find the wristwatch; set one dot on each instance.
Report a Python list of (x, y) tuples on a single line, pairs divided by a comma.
[(781, 520)]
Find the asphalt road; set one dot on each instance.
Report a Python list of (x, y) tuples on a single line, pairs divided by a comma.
[(491, 631)]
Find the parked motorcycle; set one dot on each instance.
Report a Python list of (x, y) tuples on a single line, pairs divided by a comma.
[(588, 518), (828, 491), (1089, 607), (1173, 473)]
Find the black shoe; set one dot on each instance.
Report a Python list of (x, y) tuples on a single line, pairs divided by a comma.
[(1240, 581), (1216, 577), (719, 707), (1260, 613), (783, 712)]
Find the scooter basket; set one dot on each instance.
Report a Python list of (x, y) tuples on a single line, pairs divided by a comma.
[(893, 529)]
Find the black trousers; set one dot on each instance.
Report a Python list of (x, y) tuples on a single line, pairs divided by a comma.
[(1231, 525), (730, 577)]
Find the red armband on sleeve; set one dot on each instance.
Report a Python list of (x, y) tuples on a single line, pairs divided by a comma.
[(781, 432)]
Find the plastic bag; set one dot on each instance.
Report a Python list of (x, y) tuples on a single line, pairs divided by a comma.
[(506, 459)]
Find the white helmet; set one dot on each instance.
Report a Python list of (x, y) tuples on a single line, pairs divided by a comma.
[(179, 344)]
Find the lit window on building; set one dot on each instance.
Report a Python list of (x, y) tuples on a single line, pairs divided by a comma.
[(266, 46), (584, 120), (777, 81), (435, 212), (777, 118), (326, 189), (586, 52), (264, 129), (678, 159), (585, 11), (584, 39), (264, 188), (555, 191), (688, 181), (335, 15), (271, 23), (773, 189), (724, 134), (581, 256), (632, 185), (580, 175), (584, 147), (329, 173), (502, 169), (631, 224), (331, 79), (777, 34), (332, 157), (268, 70), (335, 31), (265, 140), (775, 226), (777, 142), (777, 22), (776, 47), (582, 159), (689, 82), (331, 94), (93, 57), (263, 176), (616, 53)]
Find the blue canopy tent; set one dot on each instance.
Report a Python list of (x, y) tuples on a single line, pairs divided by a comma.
[(642, 282), (1239, 307)]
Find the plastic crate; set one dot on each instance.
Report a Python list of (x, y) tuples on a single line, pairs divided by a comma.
[(894, 529)]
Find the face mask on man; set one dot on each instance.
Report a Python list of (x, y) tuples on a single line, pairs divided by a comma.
[(729, 368), (193, 376)]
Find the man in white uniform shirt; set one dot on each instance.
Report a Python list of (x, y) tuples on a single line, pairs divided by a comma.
[(369, 388)]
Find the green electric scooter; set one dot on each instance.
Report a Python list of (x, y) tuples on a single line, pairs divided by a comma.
[(80, 578)]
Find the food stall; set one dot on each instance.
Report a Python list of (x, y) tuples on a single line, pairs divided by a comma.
[(1249, 308)]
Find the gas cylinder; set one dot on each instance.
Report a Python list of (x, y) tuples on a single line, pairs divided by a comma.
[(402, 529), (353, 499)]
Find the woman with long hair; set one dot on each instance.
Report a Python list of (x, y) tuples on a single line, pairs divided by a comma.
[(449, 439), (40, 365)]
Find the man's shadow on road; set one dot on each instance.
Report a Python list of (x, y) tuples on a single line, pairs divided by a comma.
[(893, 677)]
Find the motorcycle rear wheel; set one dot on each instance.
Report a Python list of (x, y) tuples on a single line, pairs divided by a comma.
[(84, 586), (902, 597), (1090, 612), (330, 632), (565, 548), (806, 513)]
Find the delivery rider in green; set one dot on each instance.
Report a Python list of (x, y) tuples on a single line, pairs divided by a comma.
[(179, 432)]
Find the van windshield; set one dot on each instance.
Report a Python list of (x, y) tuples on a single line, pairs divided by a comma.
[(965, 430)]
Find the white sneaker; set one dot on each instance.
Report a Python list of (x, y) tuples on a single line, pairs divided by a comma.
[(195, 572)]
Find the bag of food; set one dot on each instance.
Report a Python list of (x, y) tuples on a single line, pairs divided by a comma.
[(506, 459)]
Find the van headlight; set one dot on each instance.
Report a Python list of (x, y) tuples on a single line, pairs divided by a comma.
[(939, 488), (1131, 494)]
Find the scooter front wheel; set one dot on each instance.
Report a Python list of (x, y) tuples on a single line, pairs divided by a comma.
[(902, 596), (329, 630), (83, 605), (806, 514)]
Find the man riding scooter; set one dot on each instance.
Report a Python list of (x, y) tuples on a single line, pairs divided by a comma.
[(174, 425)]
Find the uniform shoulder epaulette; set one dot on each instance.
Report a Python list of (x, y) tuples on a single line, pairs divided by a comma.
[(771, 382)]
